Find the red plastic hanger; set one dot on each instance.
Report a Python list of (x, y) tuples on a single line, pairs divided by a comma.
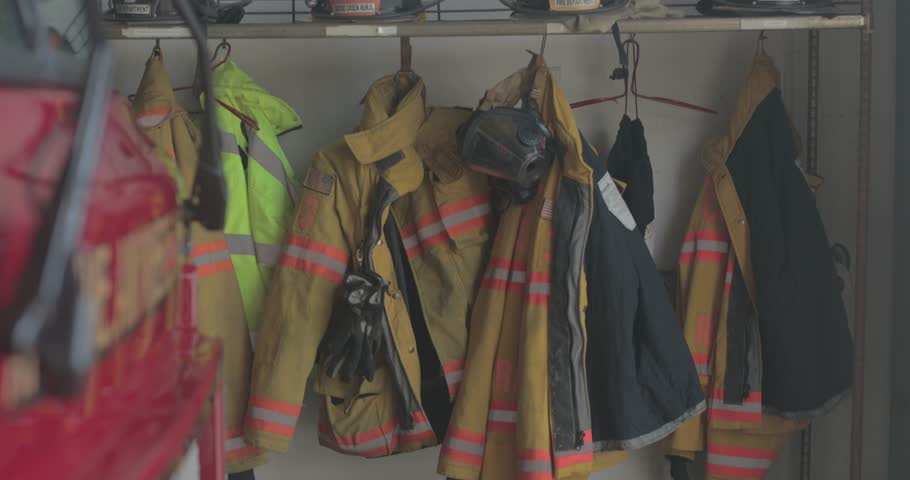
[(634, 48)]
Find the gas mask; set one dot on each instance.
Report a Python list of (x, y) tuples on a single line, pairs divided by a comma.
[(511, 145)]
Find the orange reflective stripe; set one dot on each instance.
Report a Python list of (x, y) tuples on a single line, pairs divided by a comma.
[(276, 406), (464, 446), (739, 462), (449, 221), (214, 268), (269, 427), (315, 257), (235, 447), (204, 248)]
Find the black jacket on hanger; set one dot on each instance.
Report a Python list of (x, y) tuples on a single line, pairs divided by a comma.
[(629, 163)]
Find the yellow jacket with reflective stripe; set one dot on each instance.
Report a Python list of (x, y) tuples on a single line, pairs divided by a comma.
[(443, 215), (501, 425), (717, 242), (220, 309), (261, 187)]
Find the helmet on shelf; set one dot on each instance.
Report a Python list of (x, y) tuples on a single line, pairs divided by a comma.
[(374, 9), (764, 7), (217, 11), (564, 7)]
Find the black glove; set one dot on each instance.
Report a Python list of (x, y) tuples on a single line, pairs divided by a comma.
[(353, 340), (678, 467)]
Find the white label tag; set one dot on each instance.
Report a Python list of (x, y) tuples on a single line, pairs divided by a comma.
[(134, 9), (360, 8), (575, 3), (614, 201)]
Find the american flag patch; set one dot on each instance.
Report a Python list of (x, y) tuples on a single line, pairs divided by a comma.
[(546, 210), (318, 181)]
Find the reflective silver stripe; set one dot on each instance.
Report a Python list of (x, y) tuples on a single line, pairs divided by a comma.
[(454, 377), (498, 274), (463, 446), (410, 242), (465, 215), (228, 143), (234, 444), (316, 257), (447, 222), (267, 254), (430, 230), (519, 276), (240, 244), (687, 247), (267, 159), (539, 288), (712, 246), (273, 417), (148, 121), (535, 466), (746, 407), (739, 462), (209, 258), (729, 277), (701, 368), (510, 416)]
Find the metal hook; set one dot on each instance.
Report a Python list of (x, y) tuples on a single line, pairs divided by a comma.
[(543, 44), (761, 40)]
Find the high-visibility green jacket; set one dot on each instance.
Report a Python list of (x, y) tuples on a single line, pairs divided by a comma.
[(443, 218), (220, 310), (261, 187)]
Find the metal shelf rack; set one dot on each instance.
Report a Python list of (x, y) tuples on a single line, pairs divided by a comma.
[(440, 27), (473, 28)]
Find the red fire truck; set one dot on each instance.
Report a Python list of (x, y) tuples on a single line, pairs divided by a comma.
[(102, 374)]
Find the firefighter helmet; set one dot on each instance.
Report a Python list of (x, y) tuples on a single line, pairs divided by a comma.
[(764, 7), (564, 7), (218, 11), (375, 9)]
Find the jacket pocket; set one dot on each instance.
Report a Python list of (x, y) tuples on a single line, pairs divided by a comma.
[(355, 417)]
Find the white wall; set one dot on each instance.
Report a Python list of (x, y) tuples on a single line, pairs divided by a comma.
[(325, 79)]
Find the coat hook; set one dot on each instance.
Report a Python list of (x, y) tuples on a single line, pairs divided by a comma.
[(761, 40), (405, 55)]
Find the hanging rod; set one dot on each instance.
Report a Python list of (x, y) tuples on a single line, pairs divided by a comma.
[(483, 28)]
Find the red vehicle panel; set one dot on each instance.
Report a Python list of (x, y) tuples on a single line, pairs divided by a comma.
[(145, 398)]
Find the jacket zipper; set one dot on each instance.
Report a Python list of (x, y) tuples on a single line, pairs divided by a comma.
[(577, 335)]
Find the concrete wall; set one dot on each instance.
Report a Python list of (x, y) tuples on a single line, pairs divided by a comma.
[(324, 80)]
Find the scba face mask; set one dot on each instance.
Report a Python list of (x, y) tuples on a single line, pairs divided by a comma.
[(511, 145)]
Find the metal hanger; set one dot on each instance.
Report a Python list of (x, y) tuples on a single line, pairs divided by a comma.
[(633, 48)]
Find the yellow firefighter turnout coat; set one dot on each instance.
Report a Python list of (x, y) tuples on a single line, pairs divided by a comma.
[(716, 272), (443, 216), (502, 426), (219, 302)]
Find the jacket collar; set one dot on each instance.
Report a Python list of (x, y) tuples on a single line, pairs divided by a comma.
[(386, 128), (537, 82), (240, 92), (763, 79), (155, 100)]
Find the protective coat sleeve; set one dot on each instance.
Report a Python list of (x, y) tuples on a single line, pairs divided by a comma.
[(299, 304)]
